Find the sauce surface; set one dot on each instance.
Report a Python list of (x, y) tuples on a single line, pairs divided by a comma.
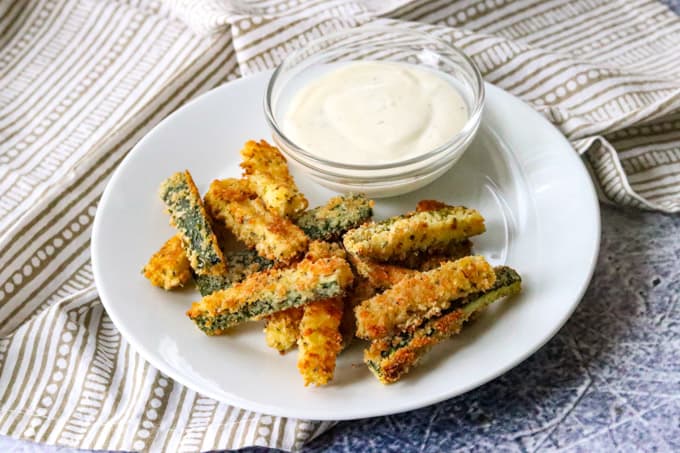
[(375, 113)]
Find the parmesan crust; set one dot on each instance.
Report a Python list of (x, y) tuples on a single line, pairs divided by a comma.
[(397, 238), (422, 296), (321, 249), (169, 267), (386, 275), (320, 340), (265, 168), (380, 275), (267, 292), (275, 238), (348, 326), (283, 329)]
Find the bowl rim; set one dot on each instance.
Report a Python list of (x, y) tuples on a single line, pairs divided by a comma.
[(470, 127)]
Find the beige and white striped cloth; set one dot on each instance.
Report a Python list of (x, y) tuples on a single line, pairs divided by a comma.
[(81, 81)]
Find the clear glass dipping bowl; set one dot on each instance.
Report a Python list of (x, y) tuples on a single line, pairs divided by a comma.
[(372, 43)]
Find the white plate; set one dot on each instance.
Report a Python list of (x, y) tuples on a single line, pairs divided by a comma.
[(542, 219)]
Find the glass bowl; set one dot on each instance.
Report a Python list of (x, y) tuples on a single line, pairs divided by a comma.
[(373, 43)]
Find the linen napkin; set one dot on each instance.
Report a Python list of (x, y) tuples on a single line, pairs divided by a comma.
[(83, 80)]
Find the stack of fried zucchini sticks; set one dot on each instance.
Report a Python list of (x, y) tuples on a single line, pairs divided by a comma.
[(319, 277)]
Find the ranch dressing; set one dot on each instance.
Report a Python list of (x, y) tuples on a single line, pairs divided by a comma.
[(375, 113)]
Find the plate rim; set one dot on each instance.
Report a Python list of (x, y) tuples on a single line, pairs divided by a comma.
[(321, 415)]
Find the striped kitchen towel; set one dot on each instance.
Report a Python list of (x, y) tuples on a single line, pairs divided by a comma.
[(81, 81)]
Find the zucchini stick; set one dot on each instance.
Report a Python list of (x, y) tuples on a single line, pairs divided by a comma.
[(330, 221), (283, 329), (390, 358), (274, 237), (267, 292), (414, 299), (267, 171), (380, 275), (320, 340), (386, 275), (239, 265), (430, 259), (189, 216), (169, 267), (399, 237)]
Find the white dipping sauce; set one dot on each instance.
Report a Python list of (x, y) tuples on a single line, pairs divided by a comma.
[(374, 113)]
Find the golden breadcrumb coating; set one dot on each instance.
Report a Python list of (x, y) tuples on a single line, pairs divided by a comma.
[(397, 238), (189, 217), (424, 295), (267, 292), (320, 340), (283, 329), (390, 358), (169, 267), (386, 275), (274, 237), (265, 168), (380, 275), (321, 249)]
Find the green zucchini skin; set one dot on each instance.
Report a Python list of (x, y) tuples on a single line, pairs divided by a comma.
[(239, 266), (389, 359), (189, 217), (397, 238), (335, 218), (263, 293), (262, 307)]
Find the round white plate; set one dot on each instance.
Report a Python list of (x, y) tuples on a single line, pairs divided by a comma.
[(542, 219)]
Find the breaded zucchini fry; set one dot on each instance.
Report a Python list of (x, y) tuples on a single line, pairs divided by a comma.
[(283, 329), (320, 340), (169, 267), (396, 238), (386, 275), (188, 215), (239, 265), (264, 293), (266, 169), (390, 358), (274, 237), (330, 221), (243, 263), (431, 260), (414, 299)]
